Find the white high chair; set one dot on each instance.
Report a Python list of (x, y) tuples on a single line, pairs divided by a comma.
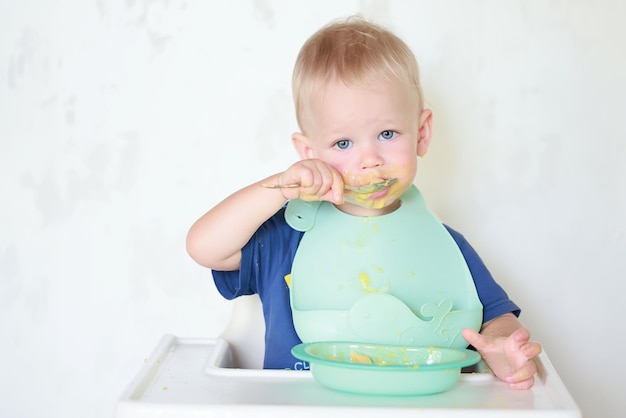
[(219, 377), (245, 333)]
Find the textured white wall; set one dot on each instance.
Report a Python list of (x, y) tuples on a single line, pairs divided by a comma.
[(122, 122)]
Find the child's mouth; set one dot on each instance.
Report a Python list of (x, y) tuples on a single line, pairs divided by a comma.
[(380, 194), (371, 187), (372, 199)]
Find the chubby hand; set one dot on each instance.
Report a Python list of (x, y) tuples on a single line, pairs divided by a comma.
[(510, 358), (317, 179)]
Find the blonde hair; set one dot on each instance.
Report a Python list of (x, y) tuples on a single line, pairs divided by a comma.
[(354, 51)]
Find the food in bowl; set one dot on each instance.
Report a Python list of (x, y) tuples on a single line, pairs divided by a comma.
[(386, 370)]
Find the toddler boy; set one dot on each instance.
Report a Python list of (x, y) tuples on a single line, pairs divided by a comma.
[(361, 113)]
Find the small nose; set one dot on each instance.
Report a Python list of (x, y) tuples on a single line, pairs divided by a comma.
[(371, 158)]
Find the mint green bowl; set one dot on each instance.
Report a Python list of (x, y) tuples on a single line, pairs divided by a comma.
[(384, 370)]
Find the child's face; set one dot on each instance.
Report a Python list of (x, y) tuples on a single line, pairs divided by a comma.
[(368, 134)]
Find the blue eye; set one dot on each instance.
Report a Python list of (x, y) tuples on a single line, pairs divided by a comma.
[(343, 144), (387, 135)]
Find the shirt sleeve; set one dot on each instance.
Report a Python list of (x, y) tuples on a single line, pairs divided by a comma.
[(235, 283), (494, 299), (266, 258)]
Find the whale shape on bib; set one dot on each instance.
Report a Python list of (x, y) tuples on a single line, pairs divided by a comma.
[(398, 278)]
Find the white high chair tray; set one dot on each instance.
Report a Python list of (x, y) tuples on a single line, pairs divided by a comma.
[(190, 377)]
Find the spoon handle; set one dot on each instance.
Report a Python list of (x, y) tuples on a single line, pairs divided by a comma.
[(280, 186), (367, 188)]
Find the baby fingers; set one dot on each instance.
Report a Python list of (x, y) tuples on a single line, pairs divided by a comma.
[(532, 349), (326, 185), (523, 385), (522, 378)]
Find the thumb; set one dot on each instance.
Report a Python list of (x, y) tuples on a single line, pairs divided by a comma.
[(474, 338)]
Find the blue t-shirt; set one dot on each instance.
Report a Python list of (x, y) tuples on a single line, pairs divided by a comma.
[(266, 260)]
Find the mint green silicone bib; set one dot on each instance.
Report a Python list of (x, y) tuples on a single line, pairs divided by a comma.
[(394, 279)]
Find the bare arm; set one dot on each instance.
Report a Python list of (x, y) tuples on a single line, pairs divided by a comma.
[(216, 239), (501, 326)]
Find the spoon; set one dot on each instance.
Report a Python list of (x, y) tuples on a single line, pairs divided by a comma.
[(365, 189)]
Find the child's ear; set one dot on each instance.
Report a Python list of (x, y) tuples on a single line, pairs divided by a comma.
[(425, 132), (302, 146)]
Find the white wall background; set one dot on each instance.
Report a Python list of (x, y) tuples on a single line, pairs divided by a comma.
[(122, 122)]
